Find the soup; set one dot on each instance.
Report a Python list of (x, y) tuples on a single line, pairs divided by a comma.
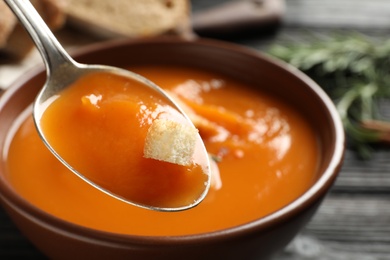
[(267, 155), (127, 139)]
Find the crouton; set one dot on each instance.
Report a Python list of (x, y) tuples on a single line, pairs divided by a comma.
[(170, 141)]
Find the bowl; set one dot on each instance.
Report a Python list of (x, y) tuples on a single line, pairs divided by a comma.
[(258, 239)]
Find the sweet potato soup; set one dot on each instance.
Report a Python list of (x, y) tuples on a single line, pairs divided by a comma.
[(125, 137), (266, 152)]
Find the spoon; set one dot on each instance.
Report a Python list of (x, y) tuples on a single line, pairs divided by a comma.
[(62, 71)]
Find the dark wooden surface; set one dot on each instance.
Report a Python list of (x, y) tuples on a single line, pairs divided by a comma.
[(353, 222)]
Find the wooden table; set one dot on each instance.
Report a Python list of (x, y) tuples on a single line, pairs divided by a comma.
[(353, 222)]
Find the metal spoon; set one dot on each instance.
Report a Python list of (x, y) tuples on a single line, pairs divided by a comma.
[(62, 71)]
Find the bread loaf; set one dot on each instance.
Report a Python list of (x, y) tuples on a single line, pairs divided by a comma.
[(14, 40), (130, 18)]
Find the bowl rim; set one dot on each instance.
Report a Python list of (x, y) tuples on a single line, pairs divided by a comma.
[(313, 194)]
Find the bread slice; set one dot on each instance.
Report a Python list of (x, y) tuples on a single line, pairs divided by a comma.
[(170, 141), (130, 18), (14, 40)]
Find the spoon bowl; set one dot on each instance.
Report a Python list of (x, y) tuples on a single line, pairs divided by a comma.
[(62, 71)]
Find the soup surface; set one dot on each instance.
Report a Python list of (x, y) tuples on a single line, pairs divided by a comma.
[(266, 152), (100, 125)]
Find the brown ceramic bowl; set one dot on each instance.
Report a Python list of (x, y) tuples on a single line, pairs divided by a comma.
[(256, 240)]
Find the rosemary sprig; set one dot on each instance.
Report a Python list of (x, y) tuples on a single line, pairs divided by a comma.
[(355, 72)]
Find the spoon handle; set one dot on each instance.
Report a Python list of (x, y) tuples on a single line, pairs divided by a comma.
[(53, 54)]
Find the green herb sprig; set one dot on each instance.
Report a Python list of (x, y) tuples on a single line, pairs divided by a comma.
[(355, 72)]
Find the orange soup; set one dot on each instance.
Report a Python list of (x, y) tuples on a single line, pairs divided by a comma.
[(267, 155), (100, 125)]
